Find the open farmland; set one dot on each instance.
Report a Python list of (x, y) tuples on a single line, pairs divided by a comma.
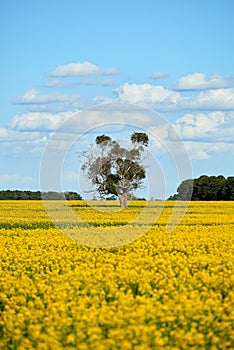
[(166, 290)]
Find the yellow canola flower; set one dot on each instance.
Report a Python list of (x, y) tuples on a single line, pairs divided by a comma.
[(163, 291)]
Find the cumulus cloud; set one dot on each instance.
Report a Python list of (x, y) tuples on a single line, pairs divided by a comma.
[(214, 127), (8, 135), (38, 121), (147, 93), (220, 99), (199, 81), (158, 75), (163, 99), (80, 70), (32, 96), (71, 122), (199, 125), (202, 134)]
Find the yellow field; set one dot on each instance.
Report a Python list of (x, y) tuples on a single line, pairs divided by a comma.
[(164, 291)]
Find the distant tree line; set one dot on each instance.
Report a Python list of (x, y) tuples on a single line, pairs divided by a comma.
[(206, 188), (37, 195)]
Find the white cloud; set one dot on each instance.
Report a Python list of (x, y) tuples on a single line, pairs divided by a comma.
[(32, 96), (100, 100), (199, 125), (158, 75), (13, 142), (102, 117), (38, 121), (147, 93), (163, 99), (80, 70), (8, 135), (202, 134), (220, 99), (199, 81)]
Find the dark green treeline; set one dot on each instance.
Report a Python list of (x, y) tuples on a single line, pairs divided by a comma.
[(206, 188), (37, 195)]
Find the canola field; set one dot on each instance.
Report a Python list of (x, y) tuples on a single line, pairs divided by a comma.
[(166, 290)]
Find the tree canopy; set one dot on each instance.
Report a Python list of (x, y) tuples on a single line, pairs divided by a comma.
[(207, 188), (114, 169)]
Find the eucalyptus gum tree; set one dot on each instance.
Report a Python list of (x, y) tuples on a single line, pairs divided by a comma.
[(114, 169)]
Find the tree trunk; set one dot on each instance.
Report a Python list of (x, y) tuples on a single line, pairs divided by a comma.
[(123, 200)]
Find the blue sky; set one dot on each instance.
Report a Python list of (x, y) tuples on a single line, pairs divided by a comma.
[(60, 57)]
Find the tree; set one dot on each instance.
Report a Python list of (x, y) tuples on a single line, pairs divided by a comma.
[(173, 197), (185, 190), (116, 170), (201, 188), (207, 188), (230, 187), (222, 189)]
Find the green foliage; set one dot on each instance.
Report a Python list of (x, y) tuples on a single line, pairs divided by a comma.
[(102, 138), (207, 188), (173, 197), (140, 137), (230, 187)]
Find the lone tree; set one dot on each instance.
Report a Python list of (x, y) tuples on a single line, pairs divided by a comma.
[(114, 169)]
